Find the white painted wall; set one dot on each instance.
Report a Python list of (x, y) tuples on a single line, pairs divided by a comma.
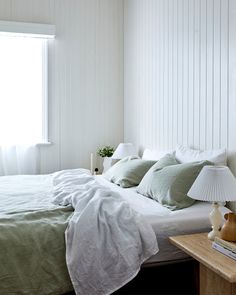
[(85, 75), (180, 74)]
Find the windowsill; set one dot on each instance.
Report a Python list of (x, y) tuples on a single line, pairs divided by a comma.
[(44, 143)]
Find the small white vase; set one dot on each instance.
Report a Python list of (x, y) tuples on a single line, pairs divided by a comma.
[(107, 161)]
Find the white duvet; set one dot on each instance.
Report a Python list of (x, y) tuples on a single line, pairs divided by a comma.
[(106, 240)]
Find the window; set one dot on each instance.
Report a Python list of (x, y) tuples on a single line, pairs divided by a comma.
[(23, 89)]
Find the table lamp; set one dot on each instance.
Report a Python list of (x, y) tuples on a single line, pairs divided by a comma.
[(124, 150), (214, 184)]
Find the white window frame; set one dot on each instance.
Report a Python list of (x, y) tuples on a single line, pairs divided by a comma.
[(44, 31), (45, 93)]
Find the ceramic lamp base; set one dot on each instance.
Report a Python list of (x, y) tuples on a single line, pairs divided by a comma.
[(216, 219)]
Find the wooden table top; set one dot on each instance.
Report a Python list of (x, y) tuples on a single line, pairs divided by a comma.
[(200, 247)]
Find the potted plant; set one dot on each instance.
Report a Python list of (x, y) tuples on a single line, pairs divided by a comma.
[(106, 152)]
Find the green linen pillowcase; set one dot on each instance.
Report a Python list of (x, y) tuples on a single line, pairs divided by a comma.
[(170, 185), (145, 186), (129, 171)]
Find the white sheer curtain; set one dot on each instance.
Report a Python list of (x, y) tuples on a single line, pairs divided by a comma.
[(18, 159), (22, 101)]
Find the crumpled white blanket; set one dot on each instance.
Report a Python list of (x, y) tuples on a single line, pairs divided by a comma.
[(106, 240)]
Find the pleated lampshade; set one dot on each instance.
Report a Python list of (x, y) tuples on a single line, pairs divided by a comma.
[(214, 184)]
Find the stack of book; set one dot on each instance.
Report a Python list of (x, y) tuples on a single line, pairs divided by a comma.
[(225, 247)]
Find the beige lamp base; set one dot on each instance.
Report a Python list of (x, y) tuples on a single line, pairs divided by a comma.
[(216, 219)]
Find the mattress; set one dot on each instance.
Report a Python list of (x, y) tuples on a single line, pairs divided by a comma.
[(165, 222)]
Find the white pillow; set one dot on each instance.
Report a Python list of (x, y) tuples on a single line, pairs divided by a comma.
[(185, 155), (155, 155)]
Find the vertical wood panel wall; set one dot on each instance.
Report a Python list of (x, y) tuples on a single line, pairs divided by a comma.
[(85, 75), (180, 74)]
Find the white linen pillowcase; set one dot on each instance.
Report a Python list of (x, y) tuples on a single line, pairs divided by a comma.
[(155, 155), (185, 155)]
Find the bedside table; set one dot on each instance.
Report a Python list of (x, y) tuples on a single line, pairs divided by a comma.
[(217, 271)]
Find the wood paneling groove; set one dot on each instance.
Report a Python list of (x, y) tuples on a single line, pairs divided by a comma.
[(190, 97)]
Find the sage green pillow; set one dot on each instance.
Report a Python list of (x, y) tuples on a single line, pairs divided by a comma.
[(128, 171), (170, 185), (145, 188)]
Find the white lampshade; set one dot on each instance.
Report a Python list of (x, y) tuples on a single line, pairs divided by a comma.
[(124, 150), (214, 184)]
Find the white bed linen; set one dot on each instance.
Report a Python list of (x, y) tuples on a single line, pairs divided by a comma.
[(22, 190), (165, 222), (106, 240)]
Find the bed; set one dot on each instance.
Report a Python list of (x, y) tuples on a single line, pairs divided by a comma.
[(32, 256), (165, 222), (35, 253), (32, 251)]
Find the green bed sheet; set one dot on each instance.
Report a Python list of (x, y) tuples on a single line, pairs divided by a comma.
[(32, 239)]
